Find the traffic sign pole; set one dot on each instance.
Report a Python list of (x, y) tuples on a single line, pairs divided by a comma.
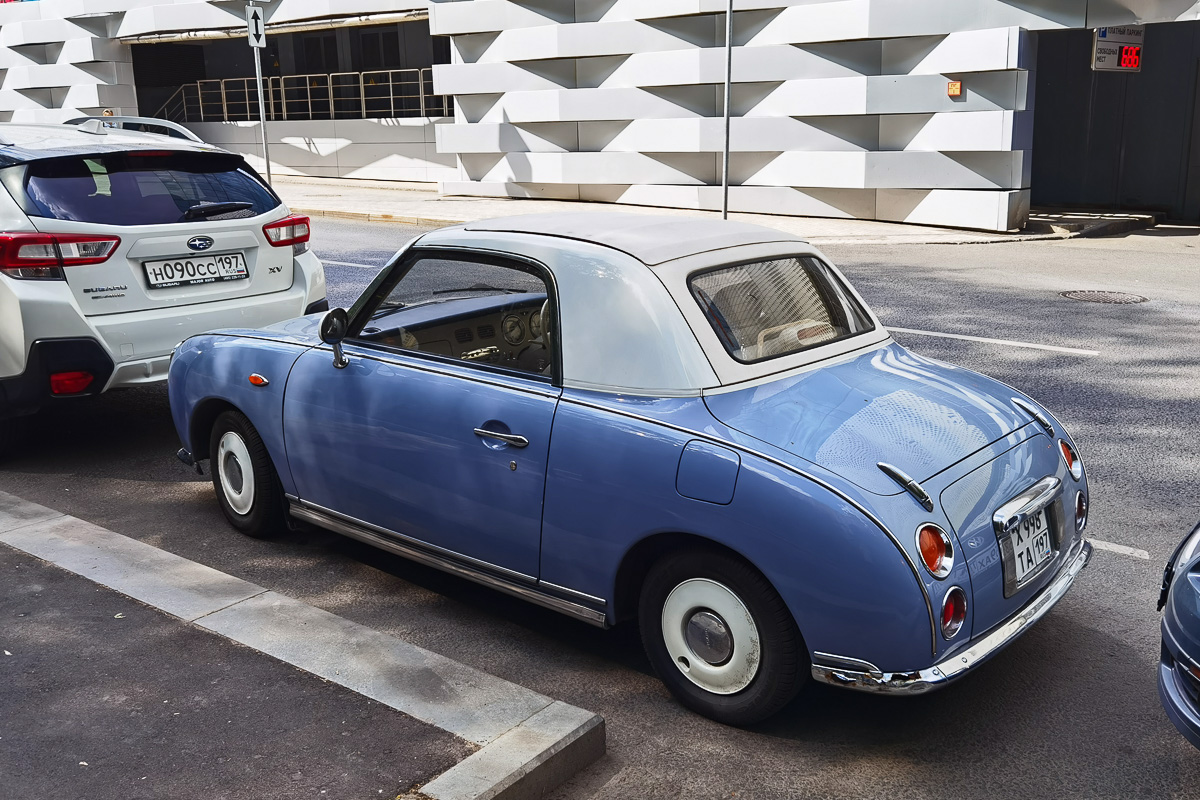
[(257, 34)]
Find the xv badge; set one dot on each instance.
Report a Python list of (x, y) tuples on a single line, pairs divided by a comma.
[(274, 270)]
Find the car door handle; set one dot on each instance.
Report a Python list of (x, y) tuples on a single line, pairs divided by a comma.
[(507, 438)]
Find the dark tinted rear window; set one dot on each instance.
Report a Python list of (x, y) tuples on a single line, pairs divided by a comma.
[(138, 188)]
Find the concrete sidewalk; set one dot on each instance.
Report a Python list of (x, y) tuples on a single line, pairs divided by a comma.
[(421, 204), (177, 680)]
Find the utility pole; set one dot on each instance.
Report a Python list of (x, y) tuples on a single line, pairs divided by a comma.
[(256, 32), (728, 98)]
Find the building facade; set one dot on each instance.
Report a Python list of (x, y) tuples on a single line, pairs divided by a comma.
[(843, 108)]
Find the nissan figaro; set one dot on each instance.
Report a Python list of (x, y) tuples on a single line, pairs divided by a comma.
[(699, 426)]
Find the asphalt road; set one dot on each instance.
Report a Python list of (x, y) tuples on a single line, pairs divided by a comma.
[(1070, 710)]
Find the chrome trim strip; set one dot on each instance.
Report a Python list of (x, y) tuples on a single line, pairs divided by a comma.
[(507, 438), (847, 662), (499, 578), (1026, 504), (920, 681), (1041, 419), (708, 437), (582, 596), (907, 484)]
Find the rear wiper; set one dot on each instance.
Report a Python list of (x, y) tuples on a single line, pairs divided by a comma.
[(206, 210)]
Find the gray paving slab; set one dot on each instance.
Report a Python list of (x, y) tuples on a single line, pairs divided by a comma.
[(464, 701), (17, 513), (157, 578)]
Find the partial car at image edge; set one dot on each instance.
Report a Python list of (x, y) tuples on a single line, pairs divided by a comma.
[(1179, 665), (115, 245), (698, 426)]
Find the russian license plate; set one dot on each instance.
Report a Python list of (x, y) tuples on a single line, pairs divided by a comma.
[(1032, 545), (197, 270)]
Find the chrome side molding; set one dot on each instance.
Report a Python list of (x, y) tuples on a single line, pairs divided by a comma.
[(908, 484), (504, 580)]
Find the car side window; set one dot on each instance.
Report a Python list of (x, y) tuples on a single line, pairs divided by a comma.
[(494, 314)]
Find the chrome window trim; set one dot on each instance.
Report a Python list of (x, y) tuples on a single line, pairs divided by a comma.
[(933, 627), (505, 580), (950, 669)]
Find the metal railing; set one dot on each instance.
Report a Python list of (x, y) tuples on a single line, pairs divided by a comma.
[(381, 94)]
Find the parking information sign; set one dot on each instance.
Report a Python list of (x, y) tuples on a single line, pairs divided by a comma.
[(1118, 49), (255, 28)]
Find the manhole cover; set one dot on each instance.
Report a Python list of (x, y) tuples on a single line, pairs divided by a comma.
[(1111, 298)]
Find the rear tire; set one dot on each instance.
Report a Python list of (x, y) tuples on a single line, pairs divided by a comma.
[(244, 478), (720, 637)]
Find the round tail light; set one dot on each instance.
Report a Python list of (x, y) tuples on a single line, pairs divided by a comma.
[(937, 553), (1081, 511), (1074, 465), (954, 612)]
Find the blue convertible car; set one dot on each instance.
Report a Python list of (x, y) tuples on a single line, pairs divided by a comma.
[(694, 424)]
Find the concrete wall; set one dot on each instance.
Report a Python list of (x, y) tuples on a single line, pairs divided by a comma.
[(376, 149), (840, 106)]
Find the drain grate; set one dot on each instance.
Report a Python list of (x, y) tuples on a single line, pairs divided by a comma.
[(1109, 298)]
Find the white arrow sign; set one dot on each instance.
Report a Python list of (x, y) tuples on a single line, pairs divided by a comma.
[(255, 28)]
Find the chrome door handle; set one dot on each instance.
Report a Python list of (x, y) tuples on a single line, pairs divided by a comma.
[(507, 438)]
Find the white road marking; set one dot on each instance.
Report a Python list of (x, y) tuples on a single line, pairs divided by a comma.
[(1010, 343), (350, 264), (1120, 548)]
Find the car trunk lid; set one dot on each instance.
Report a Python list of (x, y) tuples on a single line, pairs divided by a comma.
[(918, 415)]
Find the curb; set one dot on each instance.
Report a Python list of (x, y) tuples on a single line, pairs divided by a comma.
[(528, 743), (1105, 228)]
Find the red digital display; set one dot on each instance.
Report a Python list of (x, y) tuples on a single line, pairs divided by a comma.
[(1131, 56)]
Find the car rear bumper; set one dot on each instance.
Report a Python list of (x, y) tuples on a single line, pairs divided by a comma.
[(1179, 691), (29, 391), (872, 679)]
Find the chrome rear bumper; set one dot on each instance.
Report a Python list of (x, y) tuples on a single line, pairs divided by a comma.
[(939, 675)]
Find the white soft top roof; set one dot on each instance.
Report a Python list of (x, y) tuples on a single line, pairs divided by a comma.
[(651, 239)]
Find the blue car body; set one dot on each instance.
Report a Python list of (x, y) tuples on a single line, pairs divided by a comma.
[(1179, 666), (782, 470)]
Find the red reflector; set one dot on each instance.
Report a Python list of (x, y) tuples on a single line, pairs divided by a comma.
[(954, 612), (70, 382)]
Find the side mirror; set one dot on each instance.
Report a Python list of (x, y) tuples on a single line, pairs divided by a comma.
[(334, 327)]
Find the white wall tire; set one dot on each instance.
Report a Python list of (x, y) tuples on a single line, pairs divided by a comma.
[(244, 477), (720, 637)]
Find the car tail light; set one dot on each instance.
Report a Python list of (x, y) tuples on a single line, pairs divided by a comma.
[(937, 553), (954, 612), (293, 231), (1074, 465), (70, 382), (41, 256), (1081, 511)]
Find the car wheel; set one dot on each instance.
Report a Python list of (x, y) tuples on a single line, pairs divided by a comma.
[(245, 480), (720, 637)]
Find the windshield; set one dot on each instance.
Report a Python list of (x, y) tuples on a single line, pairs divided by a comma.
[(140, 188), (768, 309)]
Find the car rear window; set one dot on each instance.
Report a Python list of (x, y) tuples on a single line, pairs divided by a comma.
[(141, 188), (768, 309)]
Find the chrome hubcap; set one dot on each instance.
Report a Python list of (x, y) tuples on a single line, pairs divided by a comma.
[(236, 473), (711, 636), (708, 637)]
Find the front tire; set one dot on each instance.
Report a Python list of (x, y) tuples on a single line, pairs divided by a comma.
[(720, 637), (244, 478)]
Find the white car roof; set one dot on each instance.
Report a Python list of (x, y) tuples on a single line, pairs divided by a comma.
[(629, 322), (651, 239), (20, 142)]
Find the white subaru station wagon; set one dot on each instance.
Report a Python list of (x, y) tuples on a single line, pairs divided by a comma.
[(116, 245)]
